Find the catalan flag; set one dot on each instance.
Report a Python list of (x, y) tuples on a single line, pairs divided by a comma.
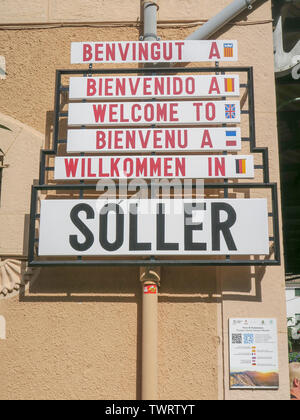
[(229, 84), (228, 50), (240, 166), (231, 138)]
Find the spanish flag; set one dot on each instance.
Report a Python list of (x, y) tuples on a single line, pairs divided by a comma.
[(240, 166), (229, 84), (228, 50)]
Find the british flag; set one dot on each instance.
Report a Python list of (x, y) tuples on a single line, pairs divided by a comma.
[(230, 112)]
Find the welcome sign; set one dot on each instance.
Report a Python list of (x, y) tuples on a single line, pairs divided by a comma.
[(141, 87), (153, 51), (150, 113), (155, 227), (177, 166), (137, 125), (130, 140)]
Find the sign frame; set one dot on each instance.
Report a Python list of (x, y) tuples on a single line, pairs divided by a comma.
[(35, 261), (61, 89), (45, 182)]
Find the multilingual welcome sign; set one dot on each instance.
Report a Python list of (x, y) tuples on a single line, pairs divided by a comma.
[(164, 126)]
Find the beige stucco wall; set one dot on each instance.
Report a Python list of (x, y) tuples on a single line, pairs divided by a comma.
[(21, 147), (76, 333), (53, 11)]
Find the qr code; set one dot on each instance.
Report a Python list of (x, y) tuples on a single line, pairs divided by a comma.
[(248, 339), (236, 338)]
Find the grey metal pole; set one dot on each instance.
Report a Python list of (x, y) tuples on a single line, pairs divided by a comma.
[(150, 20), (218, 21)]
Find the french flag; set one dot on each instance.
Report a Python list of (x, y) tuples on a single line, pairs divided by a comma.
[(231, 139)]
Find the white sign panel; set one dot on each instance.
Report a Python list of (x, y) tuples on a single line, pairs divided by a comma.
[(149, 113), (188, 166), (153, 51), (253, 353), (161, 140), (153, 227), (143, 87)]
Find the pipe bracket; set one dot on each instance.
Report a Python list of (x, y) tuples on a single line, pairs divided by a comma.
[(151, 3), (149, 35), (150, 274)]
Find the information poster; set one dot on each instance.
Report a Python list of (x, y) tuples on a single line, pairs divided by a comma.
[(253, 353)]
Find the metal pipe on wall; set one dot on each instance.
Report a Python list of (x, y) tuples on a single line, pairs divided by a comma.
[(150, 20), (150, 278), (220, 20)]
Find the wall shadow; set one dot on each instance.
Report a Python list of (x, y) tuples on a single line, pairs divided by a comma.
[(202, 284)]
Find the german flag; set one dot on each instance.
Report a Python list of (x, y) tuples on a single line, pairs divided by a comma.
[(228, 49), (229, 84), (240, 166)]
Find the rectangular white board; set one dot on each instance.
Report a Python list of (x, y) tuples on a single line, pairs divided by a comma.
[(153, 227), (147, 167), (125, 140), (143, 87), (150, 113), (253, 353), (153, 51)]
